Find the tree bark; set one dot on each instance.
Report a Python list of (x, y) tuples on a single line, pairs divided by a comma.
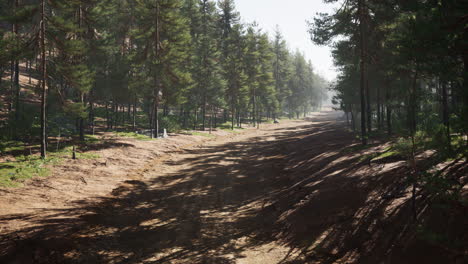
[(44, 80), (412, 105), (17, 72), (211, 119), (233, 113), (134, 112), (363, 70), (29, 71), (368, 105), (445, 114), (204, 113), (379, 117), (91, 110), (107, 115), (389, 110)]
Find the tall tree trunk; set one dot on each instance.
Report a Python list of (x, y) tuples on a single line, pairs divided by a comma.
[(464, 96), (17, 71), (211, 119), (156, 117), (233, 113), (156, 112), (107, 116), (204, 113), (157, 43), (82, 123), (129, 111), (254, 106), (44, 80), (91, 111), (12, 86), (29, 71), (389, 109), (412, 105), (82, 138), (134, 112), (363, 70), (115, 118), (347, 118), (195, 124), (124, 116), (445, 114), (18, 91), (184, 116), (215, 117), (368, 104), (379, 117), (151, 119)]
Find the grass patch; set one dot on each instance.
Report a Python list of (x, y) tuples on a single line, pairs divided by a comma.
[(133, 135), (91, 139), (11, 146), (386, 154), (227, 126), (14, 173), (68, 151), (196, 133)]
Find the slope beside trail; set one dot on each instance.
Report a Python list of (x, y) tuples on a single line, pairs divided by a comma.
[(291, 193)]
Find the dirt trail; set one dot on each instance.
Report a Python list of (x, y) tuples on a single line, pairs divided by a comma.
[(282, 194)]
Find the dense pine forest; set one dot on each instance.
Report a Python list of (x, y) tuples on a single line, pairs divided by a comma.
[(178, 131), (143, 65), (403, 67)]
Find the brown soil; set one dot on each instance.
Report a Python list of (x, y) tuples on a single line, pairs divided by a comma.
[(287, 193)]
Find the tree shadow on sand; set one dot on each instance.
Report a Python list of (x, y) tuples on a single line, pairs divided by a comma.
[(295, 187)]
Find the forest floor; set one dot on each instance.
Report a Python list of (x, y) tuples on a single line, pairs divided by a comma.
[(295, 192)]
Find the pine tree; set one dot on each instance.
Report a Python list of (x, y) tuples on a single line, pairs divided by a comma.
[(266, 94), (281, 71), (233, 48), (207, 77), (252, 67), (44, 77), (73, 45), (234, 72), (163, 38)]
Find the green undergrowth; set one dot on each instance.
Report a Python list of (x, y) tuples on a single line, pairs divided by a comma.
[(230, 130), (227, 126), (91, 139), (15, 171), (67, 152), (11, 146), (196, 133), (386, 154), (133, 135)]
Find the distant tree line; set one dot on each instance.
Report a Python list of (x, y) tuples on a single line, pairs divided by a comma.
[(133, 64)]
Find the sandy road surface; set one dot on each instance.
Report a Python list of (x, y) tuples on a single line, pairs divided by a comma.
[(282, 194)]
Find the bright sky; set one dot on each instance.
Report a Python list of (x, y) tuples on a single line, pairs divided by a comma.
[(291, 18)]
